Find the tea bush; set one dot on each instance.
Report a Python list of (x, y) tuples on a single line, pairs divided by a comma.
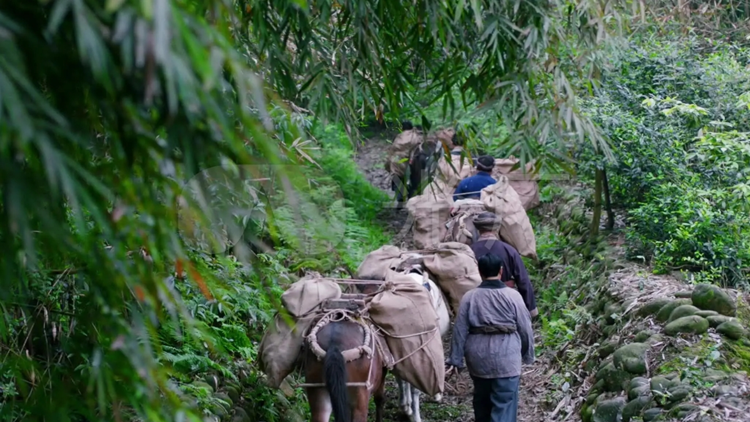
[(675, 110)]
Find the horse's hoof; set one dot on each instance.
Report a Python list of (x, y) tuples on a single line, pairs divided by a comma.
[(438, 398)]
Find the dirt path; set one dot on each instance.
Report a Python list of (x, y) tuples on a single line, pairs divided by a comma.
[(456, 403)]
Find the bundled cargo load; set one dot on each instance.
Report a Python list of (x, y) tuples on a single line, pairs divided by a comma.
[(523, 182), (376, 264), (403, 312), (453, 169), (400, 150), (282, 343), (444, 136), (430, 211), (454, 269), (460, 228), (515, 227)]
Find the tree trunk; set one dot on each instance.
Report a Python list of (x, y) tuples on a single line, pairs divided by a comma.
[(596, 219), (608, 201)]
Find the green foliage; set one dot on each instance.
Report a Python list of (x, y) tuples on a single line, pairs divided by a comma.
[(675, 112)]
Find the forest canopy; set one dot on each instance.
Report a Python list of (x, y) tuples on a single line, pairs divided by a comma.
[(108, 108)]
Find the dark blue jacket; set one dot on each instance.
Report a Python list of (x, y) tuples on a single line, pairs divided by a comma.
[(473, 184)]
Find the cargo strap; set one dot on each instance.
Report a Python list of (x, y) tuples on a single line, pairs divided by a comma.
[(493, 329), (349, 355), (338, 316)]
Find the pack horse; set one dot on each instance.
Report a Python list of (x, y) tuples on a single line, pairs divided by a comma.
[(409, 396), (343, 367)]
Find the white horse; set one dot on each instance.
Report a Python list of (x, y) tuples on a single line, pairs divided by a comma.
[(408, 394)]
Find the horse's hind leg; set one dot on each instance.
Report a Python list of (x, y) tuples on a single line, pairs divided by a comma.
[(415, 416), (320, 404), (405, 396), (379, 396), (360, 404)]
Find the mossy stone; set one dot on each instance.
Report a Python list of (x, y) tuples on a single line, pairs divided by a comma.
[(587, 413), (240, 415), (679, 393), (732, 329), (656, 338), (635, 407), (611, 310), (643, 336), (643, 390), (660, 384), (666, 310), (684, 295), (225, 397), (712, 298), (213, 380), (637, 382), (632, 358), (615, 380), (203, 384), (609, 331), (591, 399), (651, 414), (651, 308), (716, 320), (690, 324), (606, 349), (233, 393), (609, 410), (683, 410), (683, 311), (706, 314)]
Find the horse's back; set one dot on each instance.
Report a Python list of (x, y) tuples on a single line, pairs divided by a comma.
[(345, 334)]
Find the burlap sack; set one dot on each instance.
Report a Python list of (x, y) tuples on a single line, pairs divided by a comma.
[(525, 184), (403, 311), (460, 228), (454, 269), (281, 347), (515, 228), (474, 206), (430, 211), (451, 176), (307, 294), (281, 344), (400, 150), (376, 264), (445, 136)]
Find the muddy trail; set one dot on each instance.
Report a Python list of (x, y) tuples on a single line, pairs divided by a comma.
[(456, 403)]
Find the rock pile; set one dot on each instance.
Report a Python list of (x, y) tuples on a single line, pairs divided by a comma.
[(625, 387)]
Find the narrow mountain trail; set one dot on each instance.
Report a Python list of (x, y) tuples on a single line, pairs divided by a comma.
[(692, 374), (456, 404)]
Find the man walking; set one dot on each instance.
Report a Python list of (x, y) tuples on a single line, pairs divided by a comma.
[(514, 272), (493, 332), (471, 187)]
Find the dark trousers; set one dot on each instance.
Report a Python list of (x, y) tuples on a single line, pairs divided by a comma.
[(495, 400)]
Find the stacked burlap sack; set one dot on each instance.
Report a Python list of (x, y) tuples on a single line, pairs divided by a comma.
[(401, 313), (283, 340), (434, 224), (452, 265), (397, 156), (515, 227), (460, 228), (523, 182)]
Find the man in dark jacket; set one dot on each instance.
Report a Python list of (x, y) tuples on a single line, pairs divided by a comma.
[(514, 272), (493, 332), (471, 187)]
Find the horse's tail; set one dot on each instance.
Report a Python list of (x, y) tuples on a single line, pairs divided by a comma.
[(334, 368)]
